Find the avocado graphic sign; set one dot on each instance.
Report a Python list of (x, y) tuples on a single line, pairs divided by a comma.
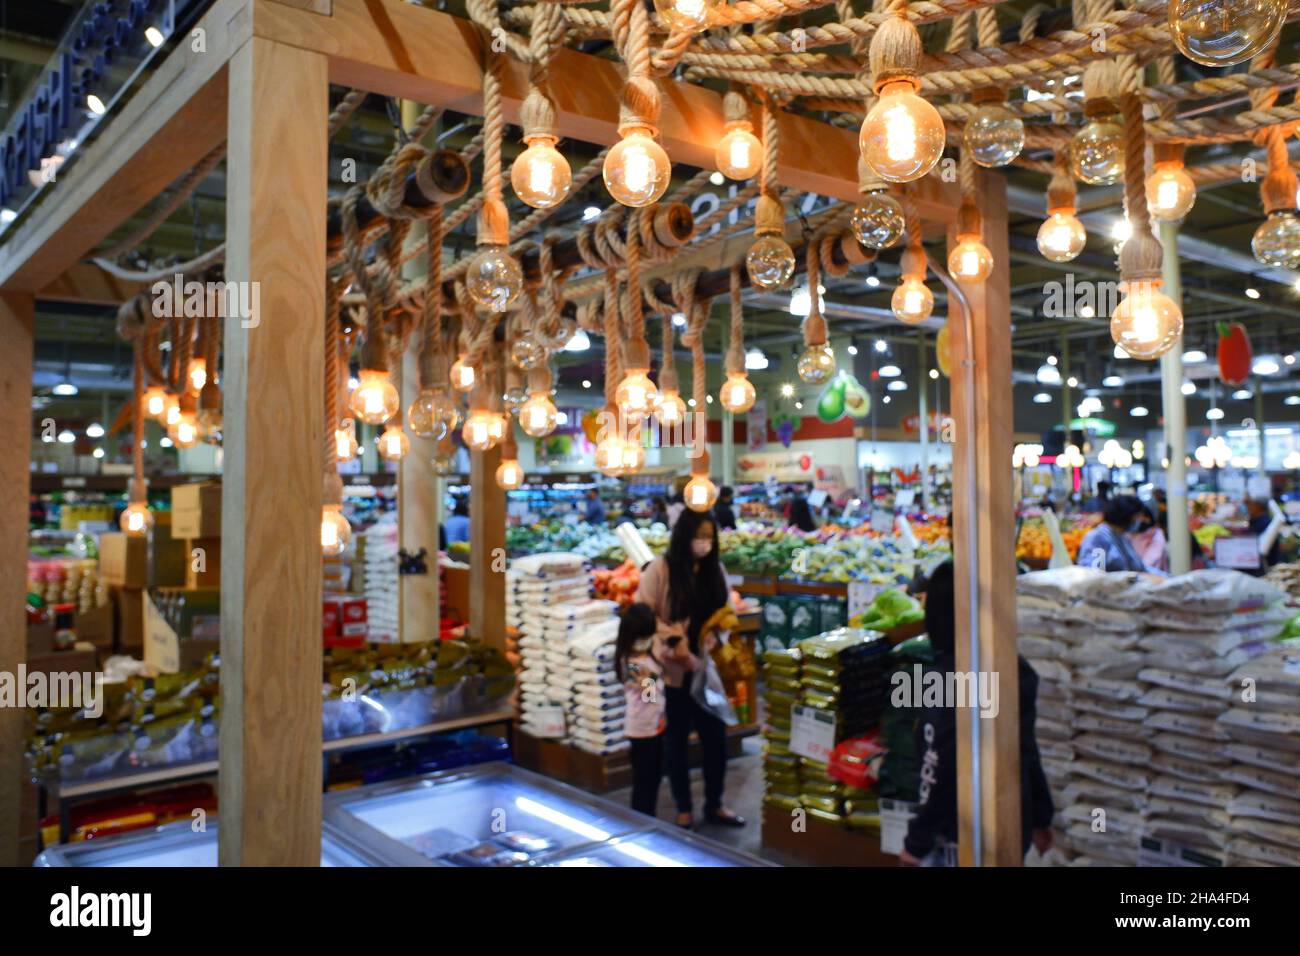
[(843, 396)]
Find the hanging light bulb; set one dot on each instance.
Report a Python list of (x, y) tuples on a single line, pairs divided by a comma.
[(537, 415), (737, 394), (700, 493), (514, 397), (494, 278), (185, 432), (527, 353), (462, 375), (211, 419), (172, 412), (1146, 324), (902, 137), (670, 410), (636, 395), (877, 220), (1097, 153), (345, 441), (1277, 241), (392, 442), (770, 262), (970, 261), (509, 474), (483, 429), (739, 154), (540, 175), (685, 15), (636, 169), (816, 364), (609, 455), (1223, 32), (335, 531), (136, 520), (1061, 237), (994, 136), (197, 376), (155, 401), (1170, 191), (632, 456), (375, 399), (433, 414), (912, 301)]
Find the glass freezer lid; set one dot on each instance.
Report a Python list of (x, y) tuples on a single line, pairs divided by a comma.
[(652, 848)]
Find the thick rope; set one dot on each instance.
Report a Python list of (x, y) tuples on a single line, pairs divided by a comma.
[(735, 360)]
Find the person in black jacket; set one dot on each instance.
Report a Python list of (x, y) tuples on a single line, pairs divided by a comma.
[(934, 827), (724, 510)]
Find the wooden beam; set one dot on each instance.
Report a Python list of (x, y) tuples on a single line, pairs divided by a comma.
[(270, 775), (487, 529), (399, 49), (88, 284), (984, 554), (171, 122), (16, 317)]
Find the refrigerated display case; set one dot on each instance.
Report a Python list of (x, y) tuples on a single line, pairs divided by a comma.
[(501, 815), (176, 844)]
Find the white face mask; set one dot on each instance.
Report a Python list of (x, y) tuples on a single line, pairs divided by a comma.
[(701, 547)]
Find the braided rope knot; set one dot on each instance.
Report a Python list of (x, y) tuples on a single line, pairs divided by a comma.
[(136, 318)]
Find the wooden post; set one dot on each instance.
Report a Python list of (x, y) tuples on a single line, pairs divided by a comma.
[(1174, 406), (988, 749), (270, 773), (923, 414), (487, 556), (16, 315)]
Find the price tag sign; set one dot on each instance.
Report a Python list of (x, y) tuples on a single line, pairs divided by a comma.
[(882, 521), (1240, 552), (162, 648), (812, 733), (549, 721), (894, 818), (861, 594)]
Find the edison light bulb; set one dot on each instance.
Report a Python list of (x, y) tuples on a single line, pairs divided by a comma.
[(816, 364), (1061, 237), (700, 493), (739, 153), (878, 221), (769, 262), (1097, 153), (670, 410), (198, 374), (913, 301), (509, 475), (609, 456), (494, 278), (636, 395), (345, 444), (527, 353), (172, 413), (392, 443), (335, 532), (432, 415), (737, 394), (136, 520), (636, 169), (482, 430), (155, 401), (1147, 323), (1170, 192), (1223, 32), (632, 457), (211, 421), (537, 416), (185, 433), (994, 136), (970, 260), (375, 399), (685, 15), (1277, 241), (540, 174), (462, 375), (902, 137), (514, 397)]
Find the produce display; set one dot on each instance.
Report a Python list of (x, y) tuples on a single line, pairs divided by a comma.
[(617, 584), (593, 542), (1207, 533), (891, 609), (1035, 544)]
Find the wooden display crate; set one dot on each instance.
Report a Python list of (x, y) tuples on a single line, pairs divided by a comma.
[(821, 843)]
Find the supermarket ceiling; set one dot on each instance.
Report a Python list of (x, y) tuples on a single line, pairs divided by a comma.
[(1221, 280)]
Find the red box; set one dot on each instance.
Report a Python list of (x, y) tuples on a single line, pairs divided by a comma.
[(343, 621), (353, 621)]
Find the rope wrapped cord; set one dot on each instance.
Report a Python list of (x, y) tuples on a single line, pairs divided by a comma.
[(640, 104), (1141, 256), (735, 359)]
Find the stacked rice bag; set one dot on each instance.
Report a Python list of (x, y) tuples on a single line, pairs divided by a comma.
[(379, 553), (596, 707), (781, 687)]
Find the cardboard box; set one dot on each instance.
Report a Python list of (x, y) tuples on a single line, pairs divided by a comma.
[(96, 627), (81, 661), (343, 621), (128, 606), (170, 554), (40, 640), (203, 563), (196, 510), (123, 560)]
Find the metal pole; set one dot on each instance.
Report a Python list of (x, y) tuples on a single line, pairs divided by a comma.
[(1175, 416), (1259, 424), (925, 422)]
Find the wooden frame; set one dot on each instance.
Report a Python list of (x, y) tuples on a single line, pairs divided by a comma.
[(267, 64)]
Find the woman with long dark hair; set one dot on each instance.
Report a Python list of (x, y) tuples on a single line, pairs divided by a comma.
[(684, 588)]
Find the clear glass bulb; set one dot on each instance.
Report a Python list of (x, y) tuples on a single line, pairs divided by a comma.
[(1061, 237), (685, 15), (527, 353), (609, 456), (185, 433), (1170, 192), (770, 262), (1097, 153), (392, 443), (494, 278), (211, 421), (514, 397), (878, 221), (509, 474), (197, 374), (994, 136), (155, 401), (345, 444), (737, 394), (1223, 32), (970, 260), (1277, 241), (632, 457), (636, 395), (700, 493), (912, 301), (462, 375), (172, 412), (540, 175), (902, 137), (335, 531), (375, 399), (816, 364), (433, 414), (739, 154), (537, 416), (1146, 323), (637, 169), (136, 520), (670, 410), (482, 430)]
